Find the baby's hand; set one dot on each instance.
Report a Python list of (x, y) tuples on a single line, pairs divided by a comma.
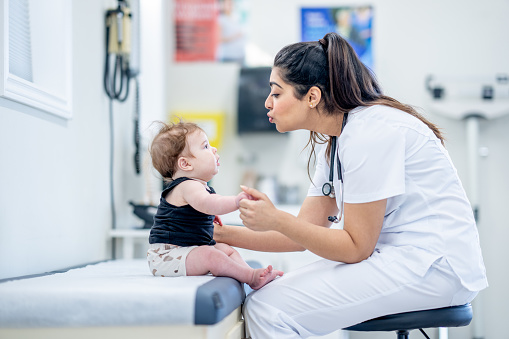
[(242, 195)]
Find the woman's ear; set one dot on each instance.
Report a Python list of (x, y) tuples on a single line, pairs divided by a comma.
[(184, 164), (314, 96)]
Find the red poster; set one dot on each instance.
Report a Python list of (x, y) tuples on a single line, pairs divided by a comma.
[(196, 30)]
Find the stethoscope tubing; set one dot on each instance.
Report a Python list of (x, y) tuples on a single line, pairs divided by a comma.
[(325, 188), (328, 187)]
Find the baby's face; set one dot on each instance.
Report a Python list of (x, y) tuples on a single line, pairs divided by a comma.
[(205, 159)]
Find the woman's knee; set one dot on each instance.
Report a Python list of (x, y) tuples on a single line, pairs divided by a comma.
[(258, 301), (265, 320), (253, 309)]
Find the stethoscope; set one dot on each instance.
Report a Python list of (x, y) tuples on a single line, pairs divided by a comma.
[(328, 187)]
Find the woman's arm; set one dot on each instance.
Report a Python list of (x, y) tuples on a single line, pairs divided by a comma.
[(354, 243), (314, 210), (243, 237)]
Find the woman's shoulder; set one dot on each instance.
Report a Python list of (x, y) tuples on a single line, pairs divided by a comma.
[(385, 116), (377, 112), (366, 118), (379, 125)]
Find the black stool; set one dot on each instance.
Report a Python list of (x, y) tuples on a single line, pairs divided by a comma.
[(454, 316)]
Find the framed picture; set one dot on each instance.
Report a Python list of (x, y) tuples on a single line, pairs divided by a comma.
[(212, 124), (352, 23), (211, 30)]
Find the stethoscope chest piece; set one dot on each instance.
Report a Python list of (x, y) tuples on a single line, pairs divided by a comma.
[(333, 219), (328, 187), (328, 190)]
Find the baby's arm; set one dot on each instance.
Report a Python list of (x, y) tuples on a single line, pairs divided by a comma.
[(197, 196)]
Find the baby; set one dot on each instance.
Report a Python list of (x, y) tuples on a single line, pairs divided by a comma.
[(181, 239)]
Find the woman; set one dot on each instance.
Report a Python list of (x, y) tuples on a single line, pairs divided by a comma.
[(409, 239)]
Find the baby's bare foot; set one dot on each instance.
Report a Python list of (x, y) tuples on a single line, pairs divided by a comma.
[(262, 276)]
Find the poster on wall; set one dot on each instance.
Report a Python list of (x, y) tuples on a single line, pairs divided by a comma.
[(352, 23), (210, 30), (196, 30)]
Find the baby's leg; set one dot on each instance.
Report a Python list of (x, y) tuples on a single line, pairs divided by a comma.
[(261, 276), (205, 259), (231, 252)]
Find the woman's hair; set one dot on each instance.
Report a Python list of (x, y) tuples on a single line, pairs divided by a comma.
[(168, 145), (332, 65)]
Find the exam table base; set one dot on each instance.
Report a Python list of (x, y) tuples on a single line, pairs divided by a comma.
[(231, 327)]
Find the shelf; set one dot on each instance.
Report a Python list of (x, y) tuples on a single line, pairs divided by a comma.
[(128, 236), (130, 233)]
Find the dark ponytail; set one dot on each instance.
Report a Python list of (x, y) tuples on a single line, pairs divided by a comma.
[(332, 65)]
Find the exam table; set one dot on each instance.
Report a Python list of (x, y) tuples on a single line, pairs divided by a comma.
[(120, 299)]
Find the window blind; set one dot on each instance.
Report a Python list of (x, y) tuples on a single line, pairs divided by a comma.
[(20, 50)]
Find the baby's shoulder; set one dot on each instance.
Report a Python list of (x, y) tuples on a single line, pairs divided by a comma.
[(191, 188), (177, 195), (192, 183)]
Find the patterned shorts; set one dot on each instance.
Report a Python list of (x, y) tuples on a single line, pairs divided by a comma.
[(167, 260)]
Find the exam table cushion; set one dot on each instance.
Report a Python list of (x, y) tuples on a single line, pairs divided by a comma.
[(116, 293)]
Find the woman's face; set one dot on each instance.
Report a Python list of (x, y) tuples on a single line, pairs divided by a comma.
[(285, 110)]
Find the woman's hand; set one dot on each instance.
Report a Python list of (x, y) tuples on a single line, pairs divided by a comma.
[(219, 231), (258, 213)]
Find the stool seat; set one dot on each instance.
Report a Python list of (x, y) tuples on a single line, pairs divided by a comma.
[(453, 316)]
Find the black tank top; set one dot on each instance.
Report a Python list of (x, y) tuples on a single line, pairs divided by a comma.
[(181, 225)]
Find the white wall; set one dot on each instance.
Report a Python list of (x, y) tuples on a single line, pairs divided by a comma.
[(411, 40), (54, 195)]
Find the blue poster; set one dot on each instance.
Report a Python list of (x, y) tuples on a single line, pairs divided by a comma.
[(352, 23)]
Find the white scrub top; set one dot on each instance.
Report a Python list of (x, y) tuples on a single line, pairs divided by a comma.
[(389, 154)]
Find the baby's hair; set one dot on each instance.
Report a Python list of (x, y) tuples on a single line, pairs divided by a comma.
[(168, 145)]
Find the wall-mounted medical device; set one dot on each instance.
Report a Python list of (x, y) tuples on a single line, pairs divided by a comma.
[(122, 48), (122, 59), (462, 96)]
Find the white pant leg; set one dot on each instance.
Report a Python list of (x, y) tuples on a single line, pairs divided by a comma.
[(326, 296)]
